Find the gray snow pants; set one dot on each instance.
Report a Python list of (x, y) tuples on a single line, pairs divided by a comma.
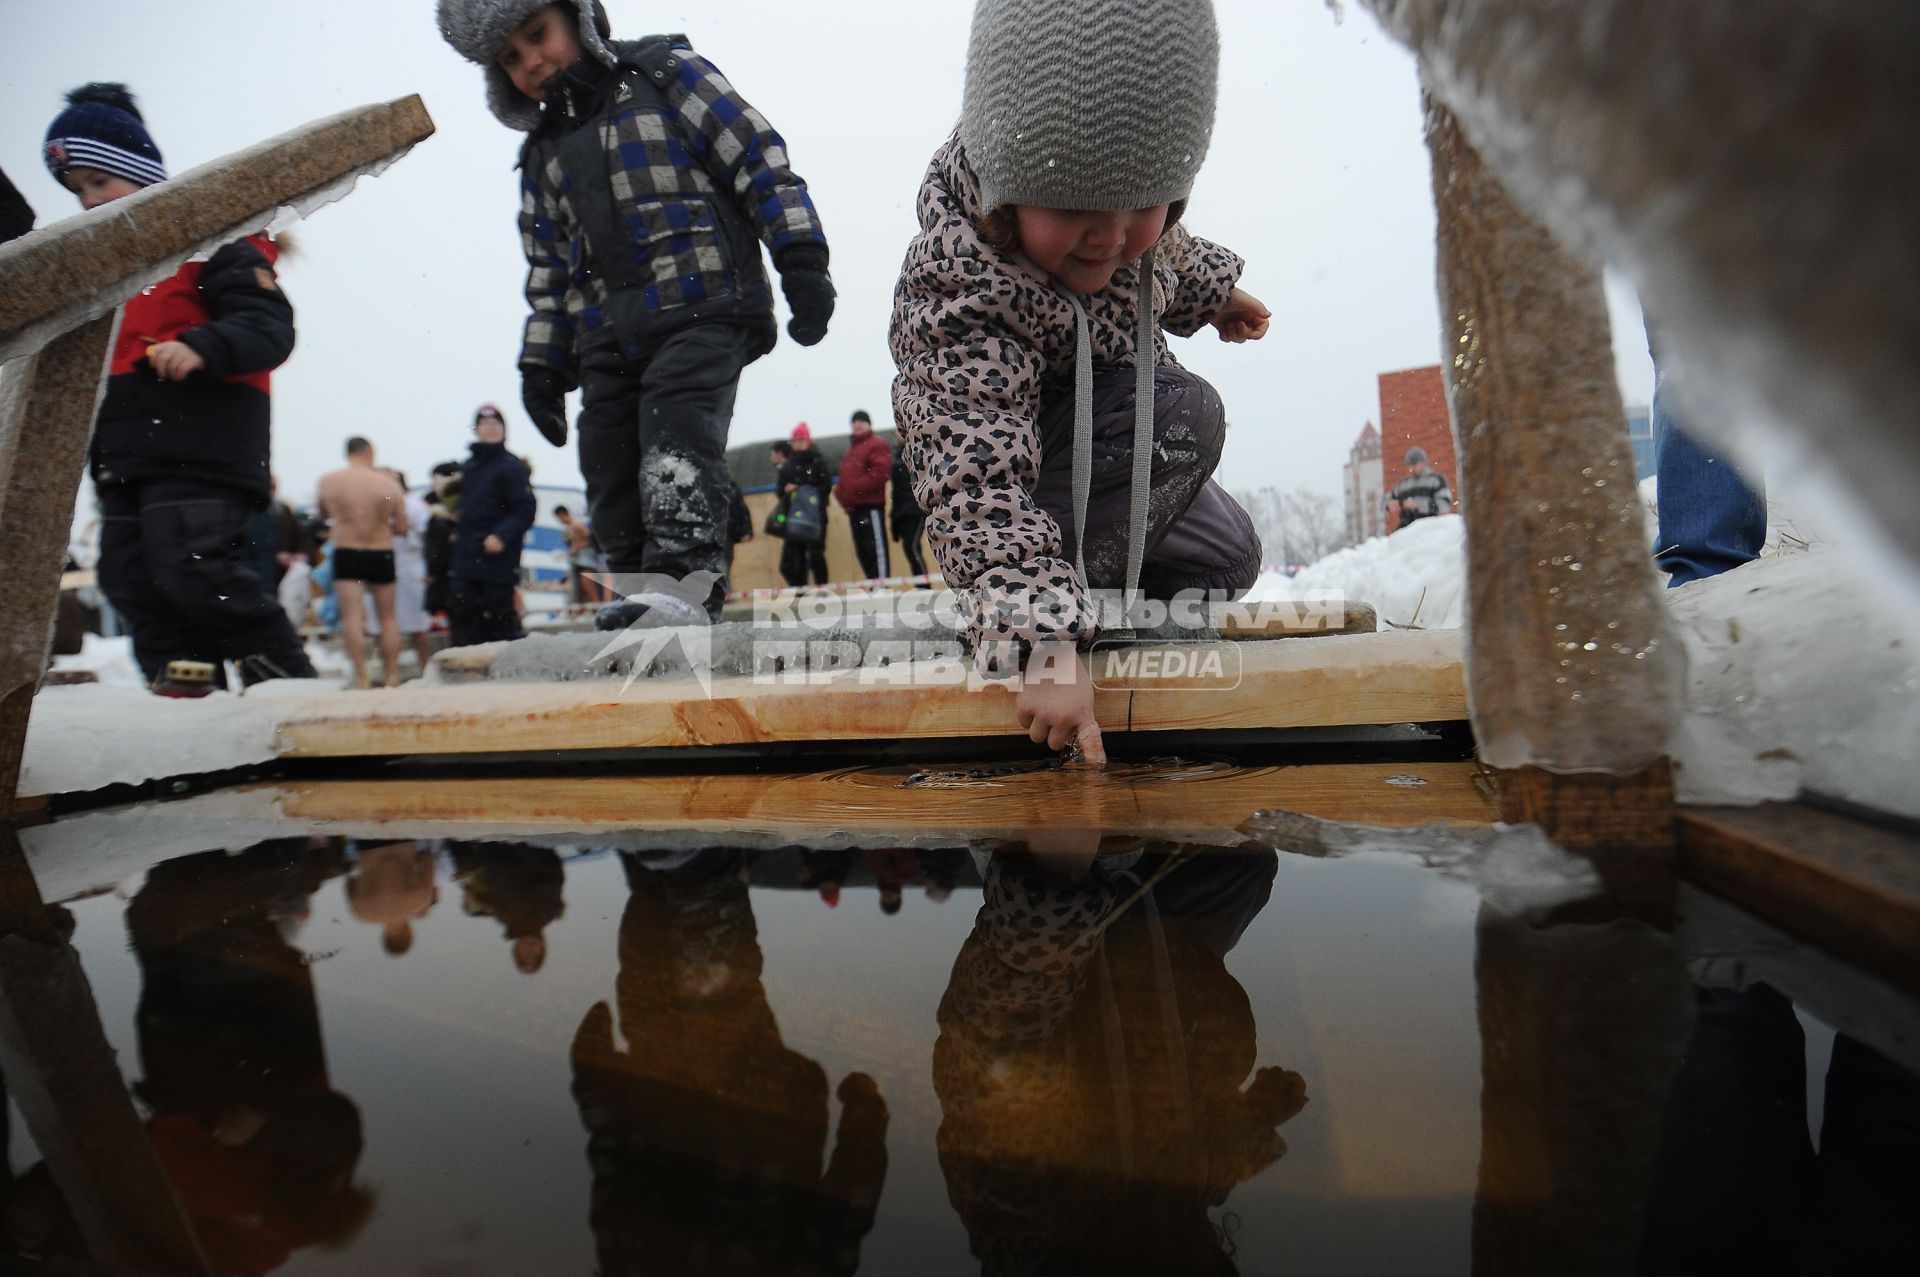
[(1198, 537)]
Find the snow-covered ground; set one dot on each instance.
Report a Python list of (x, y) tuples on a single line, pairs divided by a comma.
[(1415, 579)]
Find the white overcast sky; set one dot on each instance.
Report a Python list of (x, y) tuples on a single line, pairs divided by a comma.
[(408, 291)]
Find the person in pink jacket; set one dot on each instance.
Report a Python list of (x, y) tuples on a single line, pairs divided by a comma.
[(865, 472), (1063, 457)]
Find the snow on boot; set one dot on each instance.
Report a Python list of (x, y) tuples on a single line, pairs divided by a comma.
[(650, 609)]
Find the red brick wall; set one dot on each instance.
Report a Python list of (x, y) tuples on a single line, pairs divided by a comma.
[(1413, 414)]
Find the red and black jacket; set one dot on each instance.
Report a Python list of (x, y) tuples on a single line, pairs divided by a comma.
[(216, 426)]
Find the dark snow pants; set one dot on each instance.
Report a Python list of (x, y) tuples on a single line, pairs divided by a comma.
[(799, 558), (176, 564), (908, 534), (653, 448), (482, 612), (1197, 537)]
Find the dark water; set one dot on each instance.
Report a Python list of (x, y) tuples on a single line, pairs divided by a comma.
[(441, 1057)]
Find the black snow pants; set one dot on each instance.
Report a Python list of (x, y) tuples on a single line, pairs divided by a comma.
[(653, 448), (481, 612), (908, 533), (1197, 537), (798, 559), (176, 563)]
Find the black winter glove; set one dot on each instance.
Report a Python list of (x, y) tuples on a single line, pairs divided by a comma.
[(810, 296), (544, 394)]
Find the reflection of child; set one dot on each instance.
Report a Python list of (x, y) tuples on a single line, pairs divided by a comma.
[(648, 185), (1025, 339), (1096, 1064)]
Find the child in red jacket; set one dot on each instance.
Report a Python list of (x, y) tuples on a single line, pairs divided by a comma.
[(181, 447)]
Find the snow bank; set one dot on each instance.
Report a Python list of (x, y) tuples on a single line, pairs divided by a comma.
[(108, 659), (1415, 579), (1801, 677)]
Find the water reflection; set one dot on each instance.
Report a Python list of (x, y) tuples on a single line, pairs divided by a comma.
[(707, 1134), (259, 1146), (390, 886), (1740, 1186), (521, 885), (1096, 1099), (1094, 1059)]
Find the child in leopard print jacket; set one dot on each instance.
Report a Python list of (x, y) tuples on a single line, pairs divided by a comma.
[(1041, 218)]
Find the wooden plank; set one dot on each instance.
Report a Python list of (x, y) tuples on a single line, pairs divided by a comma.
[(1574, 661), (1592, 811), (56, 278), (40, 465), (1243, 623), (1850, 887), (1410, 676), (1197, 802)]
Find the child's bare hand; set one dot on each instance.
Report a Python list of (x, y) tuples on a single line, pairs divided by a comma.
[(1243, 318), (1055, 702), (174, 360)]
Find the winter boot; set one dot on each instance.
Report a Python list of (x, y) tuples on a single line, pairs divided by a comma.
[(185, 680)]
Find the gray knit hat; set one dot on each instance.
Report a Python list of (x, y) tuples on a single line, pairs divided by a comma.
[(1089, 104), (477, 29)]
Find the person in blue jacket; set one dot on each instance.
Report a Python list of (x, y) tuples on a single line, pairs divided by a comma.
[(496, 509)]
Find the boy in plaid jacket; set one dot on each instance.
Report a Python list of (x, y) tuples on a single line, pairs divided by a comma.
[(647, 187)]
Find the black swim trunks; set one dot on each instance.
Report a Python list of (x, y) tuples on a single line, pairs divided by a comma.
[(374, 567)]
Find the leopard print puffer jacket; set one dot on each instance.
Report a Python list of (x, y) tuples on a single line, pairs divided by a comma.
[(976, 332)]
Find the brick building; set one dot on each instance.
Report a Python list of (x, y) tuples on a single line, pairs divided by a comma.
[(1413, 414)]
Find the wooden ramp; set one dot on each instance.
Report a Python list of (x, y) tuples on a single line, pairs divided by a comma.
[(1348, 680)]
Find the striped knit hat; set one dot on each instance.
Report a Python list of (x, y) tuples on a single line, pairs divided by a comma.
[(102, 129)]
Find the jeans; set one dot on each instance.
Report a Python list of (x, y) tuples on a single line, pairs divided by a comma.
[(1711, 520)]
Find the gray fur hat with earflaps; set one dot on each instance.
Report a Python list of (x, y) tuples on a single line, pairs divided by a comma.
[(477, 28), (1089, 104)]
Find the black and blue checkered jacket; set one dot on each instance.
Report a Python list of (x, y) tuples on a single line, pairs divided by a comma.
[(699, 179)]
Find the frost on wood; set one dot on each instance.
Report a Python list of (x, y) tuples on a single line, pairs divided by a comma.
[(1572, 661), (1752, 166)]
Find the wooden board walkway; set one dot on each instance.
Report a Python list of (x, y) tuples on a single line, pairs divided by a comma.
[(1848, 886), (1396, 677)]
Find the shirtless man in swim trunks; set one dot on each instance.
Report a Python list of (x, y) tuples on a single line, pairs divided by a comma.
[(367, 510)]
